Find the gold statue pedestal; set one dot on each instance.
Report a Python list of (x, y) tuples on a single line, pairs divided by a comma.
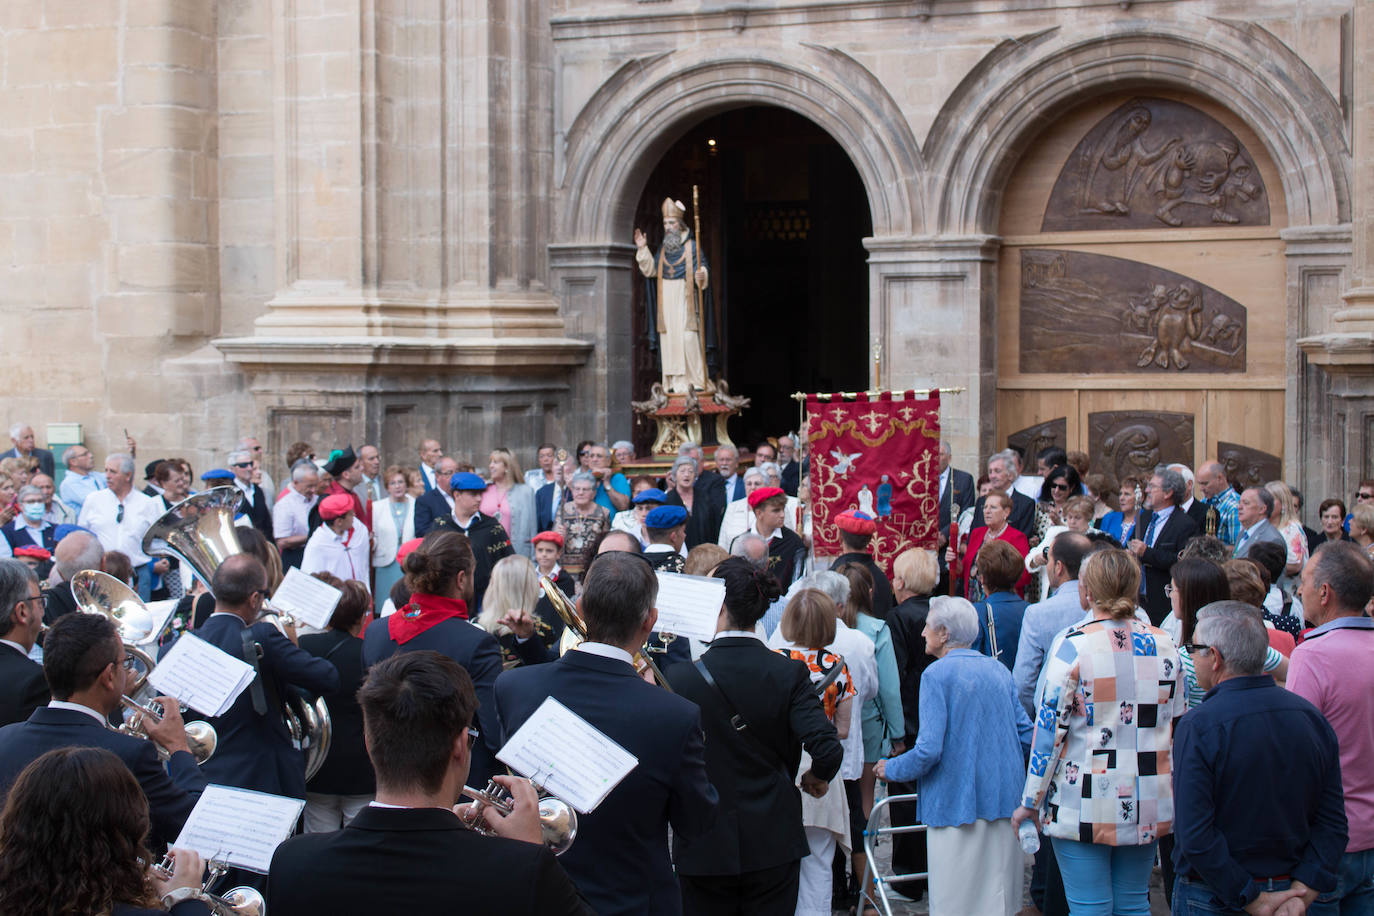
[(697, 416)]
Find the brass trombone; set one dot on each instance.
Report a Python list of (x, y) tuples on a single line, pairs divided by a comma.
[(237, 901), (557, 819), (575, 631)]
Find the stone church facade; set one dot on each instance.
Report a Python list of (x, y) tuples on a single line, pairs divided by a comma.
[(1135, 228)]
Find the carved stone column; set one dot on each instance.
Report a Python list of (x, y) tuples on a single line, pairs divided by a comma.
[(932, 307)]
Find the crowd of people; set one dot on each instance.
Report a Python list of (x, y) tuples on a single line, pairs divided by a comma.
[(1174, 673)]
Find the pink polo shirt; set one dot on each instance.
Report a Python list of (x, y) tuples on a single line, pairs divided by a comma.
[(1333, 669)]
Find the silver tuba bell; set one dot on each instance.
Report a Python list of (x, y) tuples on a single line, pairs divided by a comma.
[(199, 531)]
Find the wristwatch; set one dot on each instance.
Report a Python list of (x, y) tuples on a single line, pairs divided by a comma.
[(182, 894)]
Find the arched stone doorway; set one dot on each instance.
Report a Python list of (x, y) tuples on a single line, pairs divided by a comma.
[(783, 217)]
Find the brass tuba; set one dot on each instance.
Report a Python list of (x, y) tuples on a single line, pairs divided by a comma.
[(199, 531), (575, 631), (139, 625)]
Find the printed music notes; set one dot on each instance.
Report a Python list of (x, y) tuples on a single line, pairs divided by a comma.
[(307, 599), (240, 826), (561, 752), (689, 605), (204, 677)]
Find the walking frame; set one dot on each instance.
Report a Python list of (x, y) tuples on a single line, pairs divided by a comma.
[(874, 890)]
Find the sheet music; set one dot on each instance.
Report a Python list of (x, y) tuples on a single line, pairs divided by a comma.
[(204, 677), (560, 751), (239, 825), (689, 605), (307, 599)]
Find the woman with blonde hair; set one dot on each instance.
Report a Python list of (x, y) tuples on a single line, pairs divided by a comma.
[(1099, 762), (508, 613), (510, 501), (1285, 519)]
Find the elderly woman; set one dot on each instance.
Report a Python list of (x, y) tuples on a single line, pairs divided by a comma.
[(972, 740), (681, 479), (1099, 765), (644, 498), (580, 522)]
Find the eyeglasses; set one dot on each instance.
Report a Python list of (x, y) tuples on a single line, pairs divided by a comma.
[(1193, 648), (1169, 589), (42, 601), (129, 663), (473, 735)]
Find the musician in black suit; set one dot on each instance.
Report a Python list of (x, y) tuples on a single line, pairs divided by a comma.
[(1167, 528), (344, 783), (255, 749), (957, 488), (620, 861), (437, 502), (255, 503), (439, 574), (665, 648), (1002, 474), (409, 853), (22, 687), (84, 662), (759, 710)]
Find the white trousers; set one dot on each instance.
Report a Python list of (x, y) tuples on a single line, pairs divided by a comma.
[(813, 886), (327, 813), (975, 870)]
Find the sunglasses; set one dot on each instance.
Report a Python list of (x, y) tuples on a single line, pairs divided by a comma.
[(1192, 648), (119, 514), (1059, 486), (243, 464), (1364, 495)]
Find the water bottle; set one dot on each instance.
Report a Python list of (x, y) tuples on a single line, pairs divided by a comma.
[(1030, 840)]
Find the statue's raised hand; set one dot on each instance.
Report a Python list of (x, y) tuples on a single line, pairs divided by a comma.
[(640, 240)]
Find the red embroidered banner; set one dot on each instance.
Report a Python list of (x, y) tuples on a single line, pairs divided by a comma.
[(881, 457)]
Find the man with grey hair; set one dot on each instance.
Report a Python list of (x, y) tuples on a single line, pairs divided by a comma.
[(788, 465), (1002, 474), (81, 479), (21, 435), (1331, 670), (753, 548), (1196, 508), (252, 446), (291, 513), (1253, 510), (255, 506), (1166, 531), (78, 551), (120, 516), (55, 510), (1258, 817), (22, 687)]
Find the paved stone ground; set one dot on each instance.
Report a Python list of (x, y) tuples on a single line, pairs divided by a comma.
[(903, 907)]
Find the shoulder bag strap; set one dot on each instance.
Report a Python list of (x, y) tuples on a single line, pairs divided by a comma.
[(737, 720)]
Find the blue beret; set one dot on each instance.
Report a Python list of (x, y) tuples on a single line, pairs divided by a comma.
[(217, 474), (651, 495), (62, 531), (466, 480), (665, 517)]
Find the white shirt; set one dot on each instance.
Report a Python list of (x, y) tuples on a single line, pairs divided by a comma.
[(291, 514), (77, 707), (1029, 485), (860, 658), (605, 651), (247, 490), (346, 555), (537, 478), (430, 480), (14, 645), (101, 508)]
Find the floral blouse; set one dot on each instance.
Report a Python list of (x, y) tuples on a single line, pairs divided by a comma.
[(1099, 765)]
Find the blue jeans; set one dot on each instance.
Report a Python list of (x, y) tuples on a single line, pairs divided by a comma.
[(1101, 880), (1354, 886), (1194, 898)]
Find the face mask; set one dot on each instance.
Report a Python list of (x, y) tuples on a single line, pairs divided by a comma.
[(34, 511)]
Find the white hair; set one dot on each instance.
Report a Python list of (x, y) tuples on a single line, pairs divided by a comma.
[(754, 472), (680, 461), (16, 429), (834, 585), (239, 455), (301, 468), (956, 617), (1007, 458), (622, 443), (727, 448), (1184, 472), (768, 469), (126, 461)]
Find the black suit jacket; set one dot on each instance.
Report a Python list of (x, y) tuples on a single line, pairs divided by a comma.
[(759, 825), (1022, 514), (347, 770), (58, 602), (906, 622), (427, 508), (480, 655), (1158, 560), (416, 860), (255, 751), (184, 908), (1198, 513), (22, 686), (170, 798), (882, 588), (701, 529), (620, 861), (964, 495), (791, 478), (260, 513), (45, 463)]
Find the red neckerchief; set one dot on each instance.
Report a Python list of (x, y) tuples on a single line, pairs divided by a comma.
[(423, 612)]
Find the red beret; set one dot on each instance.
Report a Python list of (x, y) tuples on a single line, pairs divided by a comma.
[(553, 537), (856, 522), (763, 493), (37, 553), (336, 506), (408, 548)]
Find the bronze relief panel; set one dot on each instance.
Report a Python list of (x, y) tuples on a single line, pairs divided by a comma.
[(1033, 439), (1093, 313), (1248, 467), (1157, 164), (1126, 443)]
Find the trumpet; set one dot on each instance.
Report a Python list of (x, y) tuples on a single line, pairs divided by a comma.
[(575, 631), (201, 737), (557, 819), (237, 901)]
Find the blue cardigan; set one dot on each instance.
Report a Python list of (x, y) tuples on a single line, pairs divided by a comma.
[(971, 750)]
